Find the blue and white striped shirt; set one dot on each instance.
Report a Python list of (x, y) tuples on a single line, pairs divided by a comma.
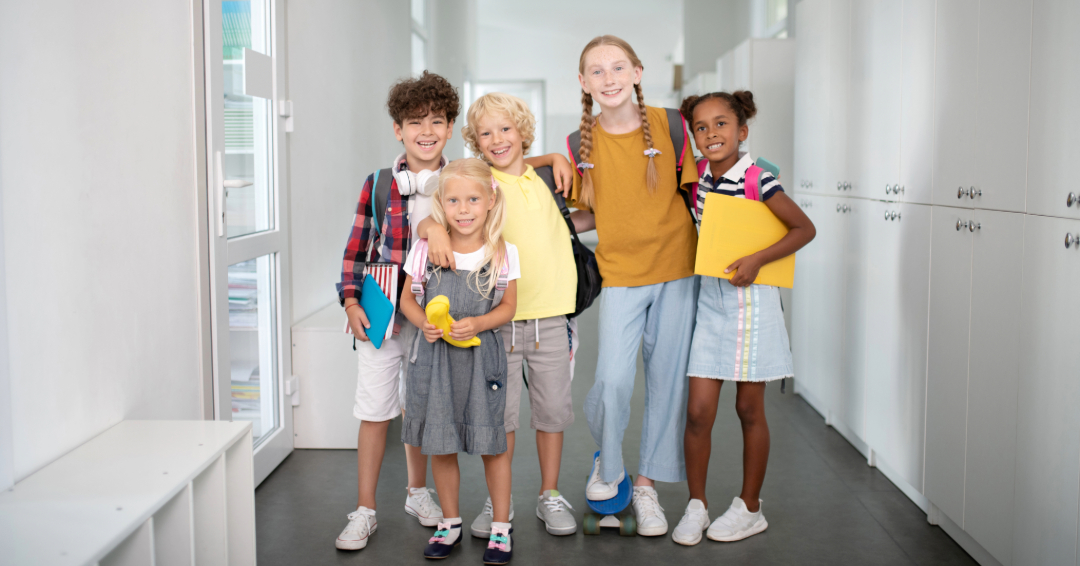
[(733, 182)]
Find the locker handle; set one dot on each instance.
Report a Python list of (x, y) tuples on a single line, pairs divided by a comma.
[(1071, 240), (973, 192), (1072, 199), (961, 192), (960, 225), (973, 226)]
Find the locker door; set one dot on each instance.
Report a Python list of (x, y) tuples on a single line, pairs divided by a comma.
[(897, 298), (818, 302), (917, 104), (955, 82), (1047, 420), (811, 117), (993, 380), (850, 400), (1001, 140), (1055, 116), (837, 83), (874, 110), (947, 367)]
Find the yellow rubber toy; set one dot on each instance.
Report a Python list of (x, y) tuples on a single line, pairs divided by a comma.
[(438, 313)]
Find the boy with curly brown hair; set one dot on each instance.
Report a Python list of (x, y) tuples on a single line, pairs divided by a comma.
[(383, 231)]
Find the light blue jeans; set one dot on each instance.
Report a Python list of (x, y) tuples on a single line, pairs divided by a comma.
[(664, 314)]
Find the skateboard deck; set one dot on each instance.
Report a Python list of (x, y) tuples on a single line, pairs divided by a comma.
[(616, 504)]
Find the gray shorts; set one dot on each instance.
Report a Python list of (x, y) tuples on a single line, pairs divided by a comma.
[(551, 368)]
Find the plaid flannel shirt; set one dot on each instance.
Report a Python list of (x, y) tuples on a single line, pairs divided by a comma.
[(395, 239)]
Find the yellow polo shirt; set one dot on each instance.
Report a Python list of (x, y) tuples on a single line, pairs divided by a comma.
[(548, 284), (645, 237)]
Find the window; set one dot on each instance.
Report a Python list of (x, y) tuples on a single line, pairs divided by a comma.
[(769, 18), (419, 36)]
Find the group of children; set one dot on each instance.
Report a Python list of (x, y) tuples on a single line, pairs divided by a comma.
[(486, 236)]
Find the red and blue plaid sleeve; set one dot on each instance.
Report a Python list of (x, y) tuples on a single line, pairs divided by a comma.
[(352, 266)]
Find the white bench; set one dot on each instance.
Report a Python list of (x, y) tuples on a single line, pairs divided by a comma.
[(143, 492)]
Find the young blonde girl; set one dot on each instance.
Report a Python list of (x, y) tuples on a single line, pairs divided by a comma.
[(740, 333), (647, 241), (455, 396)]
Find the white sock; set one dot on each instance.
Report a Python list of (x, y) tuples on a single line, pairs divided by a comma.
[(454, 534), (506, 526)]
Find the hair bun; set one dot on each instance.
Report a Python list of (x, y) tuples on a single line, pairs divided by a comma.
[(687, 107), (745, 99)]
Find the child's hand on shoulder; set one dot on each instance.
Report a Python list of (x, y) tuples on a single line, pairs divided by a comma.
[(464, 329), (431, 332), (746, 270), (564, 175), (440, 252)]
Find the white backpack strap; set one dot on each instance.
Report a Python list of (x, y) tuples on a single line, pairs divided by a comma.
[(419, 265), (502, 281)]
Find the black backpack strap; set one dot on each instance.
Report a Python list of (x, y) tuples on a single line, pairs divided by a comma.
[(573, 145), (548, 177), (384, 178), (678, 139)]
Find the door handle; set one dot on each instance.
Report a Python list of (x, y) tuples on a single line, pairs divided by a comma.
[(219, 194), (237, 183)]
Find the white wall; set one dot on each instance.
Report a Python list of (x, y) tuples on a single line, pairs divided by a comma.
[(525, 40), (7, 460), (343, 57), (453, 53), (97, 155)]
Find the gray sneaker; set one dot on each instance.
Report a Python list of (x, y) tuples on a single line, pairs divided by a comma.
[(554, 511), (481, 526)]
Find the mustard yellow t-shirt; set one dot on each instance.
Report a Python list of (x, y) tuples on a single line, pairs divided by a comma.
[(548, 284), (645, 237)]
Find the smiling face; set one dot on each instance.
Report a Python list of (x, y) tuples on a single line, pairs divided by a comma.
[(609, 76), (424, 139), (717, 132), (466, 205), (501, 143)]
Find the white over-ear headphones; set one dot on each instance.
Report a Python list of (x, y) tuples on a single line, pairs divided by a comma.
[(423, 183)]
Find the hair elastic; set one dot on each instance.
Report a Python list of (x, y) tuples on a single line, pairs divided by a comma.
[(494, 184), (652, 152), (584, 165)]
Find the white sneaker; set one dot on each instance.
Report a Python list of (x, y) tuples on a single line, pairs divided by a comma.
[(481, 525), (693, 523), (737, 523), (361, 525), (599, 490), (419, 504), (651, 521)]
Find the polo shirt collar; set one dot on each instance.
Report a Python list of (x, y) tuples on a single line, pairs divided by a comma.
[(735, 173), (529, 175)]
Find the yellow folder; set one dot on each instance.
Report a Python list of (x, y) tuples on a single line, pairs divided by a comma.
[(732, 228)]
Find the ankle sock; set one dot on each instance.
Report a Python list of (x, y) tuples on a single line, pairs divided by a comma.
[(504, 532)]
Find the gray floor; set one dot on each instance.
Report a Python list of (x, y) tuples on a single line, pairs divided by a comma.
[(824, 505)]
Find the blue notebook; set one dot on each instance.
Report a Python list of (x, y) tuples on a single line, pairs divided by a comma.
[(379, 310)]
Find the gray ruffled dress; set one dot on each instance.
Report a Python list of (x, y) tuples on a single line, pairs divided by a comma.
[(455, 397)]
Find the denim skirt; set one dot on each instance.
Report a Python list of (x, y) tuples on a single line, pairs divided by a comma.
[(739, 333)]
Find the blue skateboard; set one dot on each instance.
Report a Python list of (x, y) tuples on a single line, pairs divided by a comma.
[(611, 512)]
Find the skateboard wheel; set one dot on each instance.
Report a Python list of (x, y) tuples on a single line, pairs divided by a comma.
[(628, 526), (590, 524)]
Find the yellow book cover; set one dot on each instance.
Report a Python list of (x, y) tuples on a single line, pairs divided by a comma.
[(732, 228)]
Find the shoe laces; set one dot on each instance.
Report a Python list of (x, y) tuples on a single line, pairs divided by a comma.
[(556, 504), (427, 505), (361, 514), (733, 518), (646, 502), (488, 509)]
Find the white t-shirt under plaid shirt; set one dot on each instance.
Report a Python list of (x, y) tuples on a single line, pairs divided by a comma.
[(733, 182)]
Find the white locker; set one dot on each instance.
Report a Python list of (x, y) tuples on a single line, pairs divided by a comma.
[(1048, 419), (818, 303), (897, 301), (916, 105), (837, 81), (849, 408), (811, 67), (998, 242), (947, 367), (1055, 115), (873, 133), (982, 67)]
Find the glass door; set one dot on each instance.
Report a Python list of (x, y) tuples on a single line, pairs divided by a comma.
[(248, 224)]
